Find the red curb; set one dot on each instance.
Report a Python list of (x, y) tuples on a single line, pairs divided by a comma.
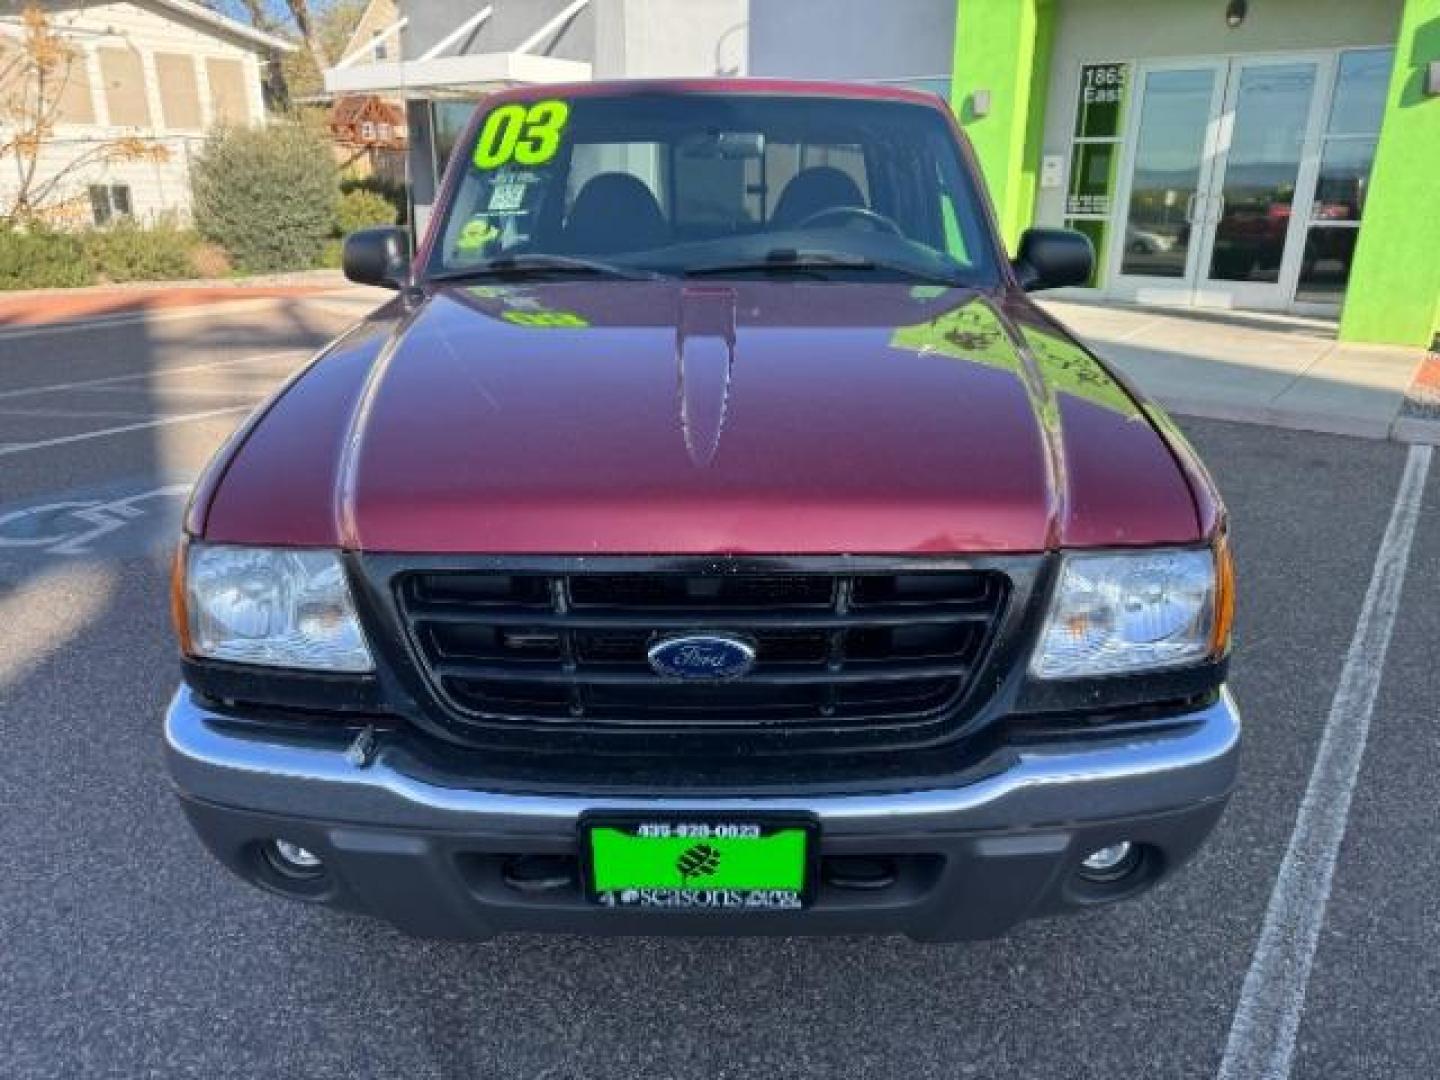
[(34, 309), (1422, 399)]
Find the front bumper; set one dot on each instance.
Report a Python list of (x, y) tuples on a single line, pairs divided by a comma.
[(436, 854)]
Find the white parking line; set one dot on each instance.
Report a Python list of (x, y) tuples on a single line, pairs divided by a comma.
[(74, 414), (183, 418), (265, 384), (27, 391), (1261, 1045)]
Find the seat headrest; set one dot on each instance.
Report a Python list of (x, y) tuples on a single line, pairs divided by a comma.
[(820, 187), (614, 211)]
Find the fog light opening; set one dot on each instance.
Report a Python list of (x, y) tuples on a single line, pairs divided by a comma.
[(294, 861), (1110, 863)]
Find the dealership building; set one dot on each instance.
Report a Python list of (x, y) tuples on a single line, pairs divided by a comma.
[(1273, 155), (1266, 155)]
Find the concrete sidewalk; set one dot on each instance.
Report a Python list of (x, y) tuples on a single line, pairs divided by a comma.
[(41, 307), (1286, 371)]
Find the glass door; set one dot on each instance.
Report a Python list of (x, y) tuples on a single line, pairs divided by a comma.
[(1264, 158), (1156, 255)]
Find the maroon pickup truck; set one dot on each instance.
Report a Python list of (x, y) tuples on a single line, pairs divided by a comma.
[(709, 536)]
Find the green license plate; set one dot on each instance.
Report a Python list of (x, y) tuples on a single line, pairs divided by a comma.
[(719, 863)]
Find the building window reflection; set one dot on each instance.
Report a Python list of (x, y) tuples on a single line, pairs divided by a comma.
[(1346, 156)]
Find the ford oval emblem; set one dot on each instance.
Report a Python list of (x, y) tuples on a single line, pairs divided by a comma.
[(702, 656)]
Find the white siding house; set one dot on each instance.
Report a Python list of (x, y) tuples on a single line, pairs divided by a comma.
[(162, 71)]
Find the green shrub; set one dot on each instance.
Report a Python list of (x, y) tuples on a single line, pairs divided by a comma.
[(331, 254), (127, 252), (266, 195), (361, 209), (391, 191), (42, 260)]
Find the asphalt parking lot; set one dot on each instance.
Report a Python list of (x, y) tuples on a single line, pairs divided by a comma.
[(125, 951)]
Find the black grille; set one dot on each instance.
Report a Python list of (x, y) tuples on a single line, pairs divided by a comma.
[(560, 651)]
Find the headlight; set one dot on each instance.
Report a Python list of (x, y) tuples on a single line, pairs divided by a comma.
[(1136, 611), (279, 607)]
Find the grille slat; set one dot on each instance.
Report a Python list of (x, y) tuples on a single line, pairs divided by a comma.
[(773, 675), (869, 650), (610, 619)]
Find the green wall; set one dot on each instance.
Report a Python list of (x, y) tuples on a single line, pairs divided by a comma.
[(1394, 290), (1003, 46)]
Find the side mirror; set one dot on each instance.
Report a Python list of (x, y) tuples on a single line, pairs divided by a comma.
[(377, 257), (1052, 258)]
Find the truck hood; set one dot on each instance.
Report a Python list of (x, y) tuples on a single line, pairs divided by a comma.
[(626, 417)]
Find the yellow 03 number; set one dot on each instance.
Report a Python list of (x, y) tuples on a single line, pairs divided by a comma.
[(530, 136)]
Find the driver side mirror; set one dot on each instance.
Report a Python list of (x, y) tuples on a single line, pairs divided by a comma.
[(1053, 258), (377, 257)]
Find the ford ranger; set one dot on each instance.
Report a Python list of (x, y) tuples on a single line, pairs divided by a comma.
[(709, 536)]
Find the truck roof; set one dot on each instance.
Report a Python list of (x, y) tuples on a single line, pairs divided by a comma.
[(764, 86)]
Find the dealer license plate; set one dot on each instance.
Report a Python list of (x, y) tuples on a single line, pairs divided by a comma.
[(703, 863)]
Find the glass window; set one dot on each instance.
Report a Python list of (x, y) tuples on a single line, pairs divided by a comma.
[(1095, 229), (179, 92), (1092, 178), (1174, 112), (1102, 100), (672, 183), (1261, 170), (1360, 88), (1325, 267), (100, 204), (447, 122), (711, 196), (74, 104), (1095, 155), (124, 87), (109, 201), (229, 92), (1344, 177), (1356, 111), (642, 160)]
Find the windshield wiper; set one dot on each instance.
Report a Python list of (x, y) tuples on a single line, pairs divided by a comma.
[(524, 263), (815, 263)]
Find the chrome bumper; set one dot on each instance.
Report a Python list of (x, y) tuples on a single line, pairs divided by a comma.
[(426, 852), (219, 763)]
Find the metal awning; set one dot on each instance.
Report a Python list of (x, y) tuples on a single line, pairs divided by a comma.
[(433, 74)]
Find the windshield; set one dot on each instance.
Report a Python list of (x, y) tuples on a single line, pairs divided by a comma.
[(716, 184)]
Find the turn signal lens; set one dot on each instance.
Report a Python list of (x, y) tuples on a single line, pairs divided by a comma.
[(1224, 597), (178, 615)]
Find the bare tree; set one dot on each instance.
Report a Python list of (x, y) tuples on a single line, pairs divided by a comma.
[(323, 27), (309, 32), (33, 79), (258, 16)]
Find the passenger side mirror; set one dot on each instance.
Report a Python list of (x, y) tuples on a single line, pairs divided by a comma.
[(377, 257), (1053, 258)]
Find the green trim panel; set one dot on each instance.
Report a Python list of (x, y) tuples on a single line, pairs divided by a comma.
[(1003, 47), (1394, 290)]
